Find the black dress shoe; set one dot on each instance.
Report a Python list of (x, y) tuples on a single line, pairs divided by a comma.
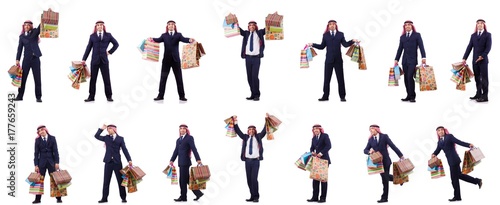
[(312, 200), (158, 98), (198, 197), (249, 98), (180, 199), (405, 99), (482, 100), (454, 199), (342, 100), (124, 201), (256, 99), (59, 201), (382, 201), (480, 183), (323, 99), (18, 99), (102, 201), (255, 200), (475, 97), (412, 100), (249, 200), (39, 100), (89, 100), (36, 202), (183, 99), (110, 99), (322, 201)]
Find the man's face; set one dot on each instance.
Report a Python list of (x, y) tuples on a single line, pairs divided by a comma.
[(251, 131), (440, 132), (182, 130), (332, 26), (42, 132), (373, 131), (480, 25), (27, 27), (99, 27), (316, 131), (111, 131), (251, 27), (408, 27), (171, 26)]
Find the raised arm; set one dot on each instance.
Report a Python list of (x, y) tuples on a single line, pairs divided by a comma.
[(98, 135)]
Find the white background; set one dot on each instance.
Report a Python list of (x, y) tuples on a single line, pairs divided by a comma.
[(217, 90)]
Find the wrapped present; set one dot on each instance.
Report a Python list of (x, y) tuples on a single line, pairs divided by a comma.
[(58, 190), (425, 76), (17, 78), (438, 170), (191, 54), (319, 170), (272, 124), (49, 24), (376, 157), (137, 172), (374, 168), (405, 166), (36, 188), (231, 19), (151, 51), (193, 184), (230, 131), (61, 177), (398, 176), (433, 162), (476, 154), (274, 27), (34, 177), (201, 172)]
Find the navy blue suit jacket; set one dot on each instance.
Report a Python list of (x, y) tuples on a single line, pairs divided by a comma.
[(245, 137), (246, 34), (384, 140), (481, 45), (448, 146), (410, 46), (323, 145), (171, 44), (100, 48), (183, 149), (46, 153), (30, 44), (113, 147), (332, 44)]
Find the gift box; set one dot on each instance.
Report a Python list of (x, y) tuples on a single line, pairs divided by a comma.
[(376, 157), (49, 24), (191, 54), (405, 166), (201, 172), (274, 27)]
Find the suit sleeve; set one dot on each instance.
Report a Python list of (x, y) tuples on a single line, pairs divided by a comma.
[(19, 49), (438, 149), (242, 32), (346, 43), (193, 149), (98, 135), (312, 146), (37, 152), (55, 151), (400, 50), (115, 44), (262, 133), (328, 144), (468, 49), (125, 150), (88, 49), (488, 47), (320, 46), (421, 46), (158, 40), (176, 152), (183, 39), (238, 131), (367, 148), (36, 31), (459, 142), (393, 147), (262, 32)]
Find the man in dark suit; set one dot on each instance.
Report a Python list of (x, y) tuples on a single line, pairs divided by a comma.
[(184, 145), (447, 142), (113, 160), (480, 40), (410, 41), (252, 50), (28, 40), (98, 43), (171, 59), (378, 142), (46, 156), (251, 153), (332, 39), (320, 145)]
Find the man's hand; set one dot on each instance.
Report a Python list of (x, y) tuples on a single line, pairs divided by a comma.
[(480, 58), (319, 155), (371, 151), (191, 40), (171, 163), (199, 162), (395, 62), (471, 145), (56, 166), (37, 169), (104, 126), (129, 163), (17, 62), (433, 155), (423, 61)]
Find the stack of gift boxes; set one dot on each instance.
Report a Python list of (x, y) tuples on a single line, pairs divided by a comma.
[(230, 25), (274, 27), (50, 24)]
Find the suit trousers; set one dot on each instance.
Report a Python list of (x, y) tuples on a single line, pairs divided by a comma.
[(184, 182), (109, 168), (386, 178), (167, 63), (480, 70), (324, 189), (94, 73), (409, 72), (456, 175), (339, 72), (43, 169), (252, 170), (34, 64), (252, 64)]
